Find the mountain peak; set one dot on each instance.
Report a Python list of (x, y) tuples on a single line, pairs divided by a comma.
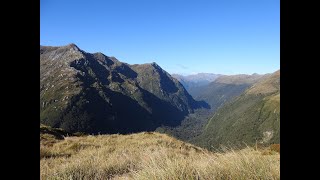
[(117, 97), (66, 54), (149, 66), (155, 65), (73, 47)]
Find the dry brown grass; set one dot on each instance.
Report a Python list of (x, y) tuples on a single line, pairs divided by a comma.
[(269, 84), (275, 147), (150, 156)]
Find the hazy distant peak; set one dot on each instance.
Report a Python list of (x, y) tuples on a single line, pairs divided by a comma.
[(197, 77), (238, 79), (202, 74)]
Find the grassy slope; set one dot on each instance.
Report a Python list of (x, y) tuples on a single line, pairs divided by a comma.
[(150, 156), (224, 88), (216, 94), (243, 121), (255, 115)]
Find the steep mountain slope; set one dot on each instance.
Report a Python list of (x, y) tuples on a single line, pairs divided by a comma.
[(196, 80), (252, 117), (216, 94), (95, 93), (224, 88)]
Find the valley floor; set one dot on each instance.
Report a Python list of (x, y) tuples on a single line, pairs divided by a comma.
[(149, 155)]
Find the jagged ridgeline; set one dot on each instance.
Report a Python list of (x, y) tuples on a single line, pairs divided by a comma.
[(253, 117), (94, 93)]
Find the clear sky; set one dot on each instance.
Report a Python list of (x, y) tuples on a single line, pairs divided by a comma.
[(182, 36)]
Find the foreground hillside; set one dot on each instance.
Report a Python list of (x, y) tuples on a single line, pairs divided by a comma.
[(253, 117), (148, 155), (94, 93)]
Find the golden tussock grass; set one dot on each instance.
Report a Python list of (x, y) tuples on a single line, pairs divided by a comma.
[(150, 156)]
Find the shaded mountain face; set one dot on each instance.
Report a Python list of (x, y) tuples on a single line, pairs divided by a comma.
[(196, 80), (95, 93), (252, 117)]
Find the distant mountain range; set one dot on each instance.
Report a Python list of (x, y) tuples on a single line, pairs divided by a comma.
[(196, 80), (216, 89), (95, 93), (224, 88)]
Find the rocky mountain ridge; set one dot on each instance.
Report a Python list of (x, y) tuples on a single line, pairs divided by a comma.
[(92, 92)]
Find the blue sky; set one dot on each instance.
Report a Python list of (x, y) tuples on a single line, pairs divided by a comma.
[(182, 36)]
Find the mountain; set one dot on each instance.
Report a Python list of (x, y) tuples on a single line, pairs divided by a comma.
[(216, 94), (224, 88), (196, 80), (95, 93), (253, 117)]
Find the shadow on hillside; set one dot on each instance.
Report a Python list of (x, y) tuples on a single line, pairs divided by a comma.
[(163, 113), (98, 109), (89, 112), (202, 104), (124, 115)]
